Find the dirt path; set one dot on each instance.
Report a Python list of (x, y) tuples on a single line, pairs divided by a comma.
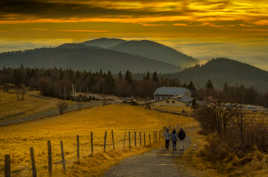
[(157, 163)]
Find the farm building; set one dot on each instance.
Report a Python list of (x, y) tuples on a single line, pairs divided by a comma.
[(163, 93)]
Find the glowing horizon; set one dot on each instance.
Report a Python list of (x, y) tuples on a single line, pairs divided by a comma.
[(197, 27)]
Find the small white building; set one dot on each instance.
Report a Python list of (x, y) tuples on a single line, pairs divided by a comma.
[(164, 93)]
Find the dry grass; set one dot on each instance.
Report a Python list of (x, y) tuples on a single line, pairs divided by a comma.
[(198, 159), (191, 163), (177, 107), (17, 139), (10, 107)]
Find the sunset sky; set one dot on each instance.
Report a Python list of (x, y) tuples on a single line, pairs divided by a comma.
[(200, 28)]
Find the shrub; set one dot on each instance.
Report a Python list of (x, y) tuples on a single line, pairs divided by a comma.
[(62, 107)]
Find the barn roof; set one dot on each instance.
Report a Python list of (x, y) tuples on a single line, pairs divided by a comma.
[(171, 91)]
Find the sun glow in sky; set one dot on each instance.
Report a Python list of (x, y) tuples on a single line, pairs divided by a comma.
[(201, 28)]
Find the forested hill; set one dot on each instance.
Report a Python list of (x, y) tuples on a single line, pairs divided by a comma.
[(155, 51), (223, 70), (81, 57), (144, 48)]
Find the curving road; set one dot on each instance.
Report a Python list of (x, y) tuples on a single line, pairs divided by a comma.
[(157, 163)]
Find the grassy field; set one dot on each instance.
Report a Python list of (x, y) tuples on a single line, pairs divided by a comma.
[(17, 139), (32, 103), (34, 107), (176, 107)]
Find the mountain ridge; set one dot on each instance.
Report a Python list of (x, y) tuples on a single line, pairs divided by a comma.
[(80, 57), (144, 48), (156, 51), (221, 70), (103, 42)]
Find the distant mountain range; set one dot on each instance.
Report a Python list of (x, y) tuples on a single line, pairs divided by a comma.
[(139, 57), (223, 70), (104, 53), (84, 58), (145, 48)]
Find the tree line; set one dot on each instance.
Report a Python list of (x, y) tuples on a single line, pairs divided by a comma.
[(233, 94), (61, 83)]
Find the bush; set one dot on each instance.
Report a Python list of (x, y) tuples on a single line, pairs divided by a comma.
[(240, 132), (62, 107), (216, 150), (230, 161)]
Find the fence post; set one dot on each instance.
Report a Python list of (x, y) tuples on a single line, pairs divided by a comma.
[(155, 137), (105, 139), (135, 139), (159, 137), (144, 139), (124, 140), (49, 154), (78, 148), (150, 138), (153, 141), (33, 162), (62, 157), (7, 166), (129, 140), (140, 138), (113, 140), (91, 143)]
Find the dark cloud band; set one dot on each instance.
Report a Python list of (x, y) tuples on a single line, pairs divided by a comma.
[(68, 9), (16, 10), (10, 9)]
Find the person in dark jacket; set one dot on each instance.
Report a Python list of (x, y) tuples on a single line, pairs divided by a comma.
[(174, 139), (182, 136)]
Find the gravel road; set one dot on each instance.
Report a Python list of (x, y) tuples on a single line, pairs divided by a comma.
[(157, 163)]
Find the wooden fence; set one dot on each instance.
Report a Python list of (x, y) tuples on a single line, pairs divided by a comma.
[(131, 139)]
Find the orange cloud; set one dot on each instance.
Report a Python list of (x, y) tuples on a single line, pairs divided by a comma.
[(137, 17), (83, 31), (180, 24), (262, 22), (212, 25), (152, 24)]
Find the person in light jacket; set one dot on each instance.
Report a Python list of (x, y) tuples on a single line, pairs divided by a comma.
[(167, 138)]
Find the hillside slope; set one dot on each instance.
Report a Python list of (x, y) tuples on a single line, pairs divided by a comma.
[(156, 51), (80, 57), (223, 70), (104, 42)]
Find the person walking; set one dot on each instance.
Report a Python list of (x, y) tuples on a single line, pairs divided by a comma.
[(174, 140), (182, 136), (167, 138)]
